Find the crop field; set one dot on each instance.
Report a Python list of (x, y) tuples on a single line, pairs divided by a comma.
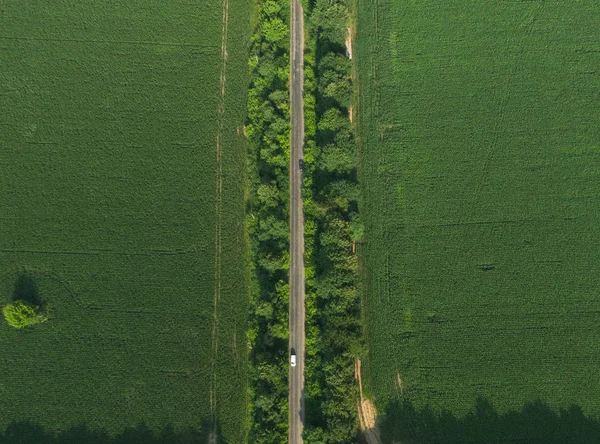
[(480, 171), (121, 210)]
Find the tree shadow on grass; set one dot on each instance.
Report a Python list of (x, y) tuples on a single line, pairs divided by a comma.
[(25, 432), (26, 289), (536, 422)]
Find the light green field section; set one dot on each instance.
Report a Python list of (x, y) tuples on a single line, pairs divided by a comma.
[(110, 199), (480, 168)]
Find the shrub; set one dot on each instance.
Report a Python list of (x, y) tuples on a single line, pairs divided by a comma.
[(21, 314)]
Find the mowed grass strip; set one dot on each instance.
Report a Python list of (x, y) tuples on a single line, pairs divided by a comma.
[(480, 175), (107, 146)]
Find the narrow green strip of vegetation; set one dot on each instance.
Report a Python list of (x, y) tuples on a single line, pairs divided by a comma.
[(268, 130), (332, 225)]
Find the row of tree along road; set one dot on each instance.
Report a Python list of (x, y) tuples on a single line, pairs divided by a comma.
[(330, 193), (268, 131), (332, 226)]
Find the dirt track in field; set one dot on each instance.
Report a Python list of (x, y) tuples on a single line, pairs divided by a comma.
[(366, 412), (219, 215)]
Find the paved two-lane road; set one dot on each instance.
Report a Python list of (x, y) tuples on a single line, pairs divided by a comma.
[(296, 376)]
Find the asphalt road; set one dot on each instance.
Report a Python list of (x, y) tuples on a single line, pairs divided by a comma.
[(296, 302)]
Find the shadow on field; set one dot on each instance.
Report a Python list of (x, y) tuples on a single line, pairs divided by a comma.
[(536, 422), (26, 290), (24, 432)]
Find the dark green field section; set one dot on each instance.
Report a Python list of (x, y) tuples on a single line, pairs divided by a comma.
[(480, 168), (109, 214)]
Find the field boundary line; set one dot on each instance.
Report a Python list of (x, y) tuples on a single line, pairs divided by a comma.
[(121, 42), (218, 212), (97, 252)]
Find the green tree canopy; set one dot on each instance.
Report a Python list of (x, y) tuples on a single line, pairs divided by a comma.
[(21, 314), (334, 78), (331, 18), (336, 159)]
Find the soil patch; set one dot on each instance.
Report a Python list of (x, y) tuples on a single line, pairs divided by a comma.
[(349, 43), (366, 412), (399, 381)]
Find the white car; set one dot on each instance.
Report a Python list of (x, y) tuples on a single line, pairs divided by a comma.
[(293, 360)]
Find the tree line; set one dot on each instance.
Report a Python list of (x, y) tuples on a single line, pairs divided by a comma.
[(331, 194), (268, 132)]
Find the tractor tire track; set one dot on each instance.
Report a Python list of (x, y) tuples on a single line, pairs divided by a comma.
[(218, 214)]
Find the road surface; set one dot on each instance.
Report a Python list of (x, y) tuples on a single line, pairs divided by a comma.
[(296, 302)]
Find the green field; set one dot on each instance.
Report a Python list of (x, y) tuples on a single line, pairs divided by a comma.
[(480, 171), (112, 206)]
